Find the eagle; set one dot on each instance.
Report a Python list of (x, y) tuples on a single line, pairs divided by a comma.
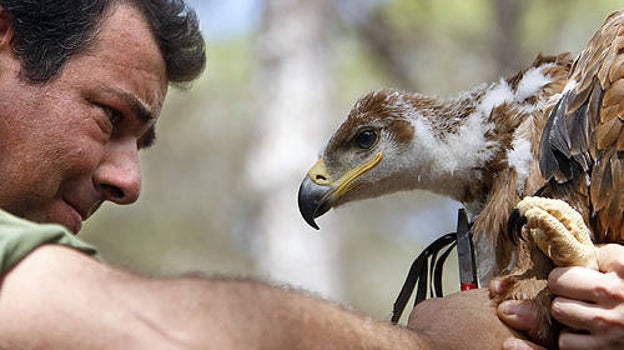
[(581, 155), (554, 129), (478, 148)]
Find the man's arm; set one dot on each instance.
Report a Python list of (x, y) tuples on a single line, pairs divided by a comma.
[(59, 298)]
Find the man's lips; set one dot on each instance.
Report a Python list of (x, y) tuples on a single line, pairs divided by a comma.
[(77, 215), (84, 214), (72, 219)]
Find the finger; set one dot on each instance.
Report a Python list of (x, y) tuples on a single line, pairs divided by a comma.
[(576, 314), (500, 285), (577, 283), (519, 344), (521, 315), (574, 341), (495, 288), (611, 258)]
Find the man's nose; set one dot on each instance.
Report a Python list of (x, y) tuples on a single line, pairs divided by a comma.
[(118, 177)]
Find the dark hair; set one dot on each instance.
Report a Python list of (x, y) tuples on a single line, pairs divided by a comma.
[(48, 32), (176, 29)]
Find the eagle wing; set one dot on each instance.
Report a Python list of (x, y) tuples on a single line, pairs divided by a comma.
[(582, 147)]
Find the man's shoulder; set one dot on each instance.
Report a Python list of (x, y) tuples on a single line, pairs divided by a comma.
[(19, 237)]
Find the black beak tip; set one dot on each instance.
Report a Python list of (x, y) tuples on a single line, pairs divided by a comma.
[(313, 201), (312, 223), (308, 206)]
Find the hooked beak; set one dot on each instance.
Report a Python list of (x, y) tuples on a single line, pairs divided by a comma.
[(313, 200), (318, 192)]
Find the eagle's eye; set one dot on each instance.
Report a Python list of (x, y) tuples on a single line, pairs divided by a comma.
[(366, 139)]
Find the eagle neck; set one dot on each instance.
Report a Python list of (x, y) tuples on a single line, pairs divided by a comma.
[(454, 136)]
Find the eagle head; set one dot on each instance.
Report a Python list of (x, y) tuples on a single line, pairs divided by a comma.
[(366, 157)]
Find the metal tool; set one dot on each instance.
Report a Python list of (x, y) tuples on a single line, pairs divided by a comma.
[(465, 253)]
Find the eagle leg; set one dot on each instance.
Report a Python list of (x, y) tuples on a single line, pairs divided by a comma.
[(556, 235), (558, 231)]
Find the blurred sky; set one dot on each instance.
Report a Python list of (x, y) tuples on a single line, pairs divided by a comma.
[(222, 20)]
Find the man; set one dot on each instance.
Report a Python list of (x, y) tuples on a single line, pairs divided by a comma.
[(81, 87)]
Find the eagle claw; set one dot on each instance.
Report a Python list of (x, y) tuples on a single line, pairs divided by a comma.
[(514, 226), (554, 228), (557, 229)]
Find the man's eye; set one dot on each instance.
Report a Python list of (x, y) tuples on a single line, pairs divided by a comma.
[(114, 116)]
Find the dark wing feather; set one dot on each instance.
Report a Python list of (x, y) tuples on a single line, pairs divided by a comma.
[(584, 136)]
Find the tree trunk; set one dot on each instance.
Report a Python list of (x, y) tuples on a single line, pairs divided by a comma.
[(294, 85), (507, 49)]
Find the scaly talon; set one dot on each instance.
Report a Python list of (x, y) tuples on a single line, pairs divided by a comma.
[(559, 231)]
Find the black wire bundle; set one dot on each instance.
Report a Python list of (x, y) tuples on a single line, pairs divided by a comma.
[(425, 274)]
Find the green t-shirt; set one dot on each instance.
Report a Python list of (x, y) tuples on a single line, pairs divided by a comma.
[(19, 237)]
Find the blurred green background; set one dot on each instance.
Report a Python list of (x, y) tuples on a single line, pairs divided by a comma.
[(220, 186)]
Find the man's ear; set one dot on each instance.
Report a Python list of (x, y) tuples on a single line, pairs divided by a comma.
[(6, 29)]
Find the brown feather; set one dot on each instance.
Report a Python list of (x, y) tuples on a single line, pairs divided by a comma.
[(599, 98), (613, 94)]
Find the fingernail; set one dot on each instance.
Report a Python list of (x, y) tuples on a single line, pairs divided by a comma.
[(508, 308), (496, 286)]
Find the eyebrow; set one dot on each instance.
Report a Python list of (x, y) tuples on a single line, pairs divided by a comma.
[(139, 109), (148, 139)]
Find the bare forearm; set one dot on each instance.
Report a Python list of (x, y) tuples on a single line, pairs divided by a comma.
[(254, 315), (313, 323), (57, 298)]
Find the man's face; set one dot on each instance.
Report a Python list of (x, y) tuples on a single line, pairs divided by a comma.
[(69, 145)]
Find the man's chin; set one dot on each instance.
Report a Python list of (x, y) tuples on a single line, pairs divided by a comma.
[(73, 223), (66, 216)]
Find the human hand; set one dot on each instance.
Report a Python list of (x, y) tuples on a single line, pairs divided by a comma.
[(458, 321), (591, 302), (520, 315)]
